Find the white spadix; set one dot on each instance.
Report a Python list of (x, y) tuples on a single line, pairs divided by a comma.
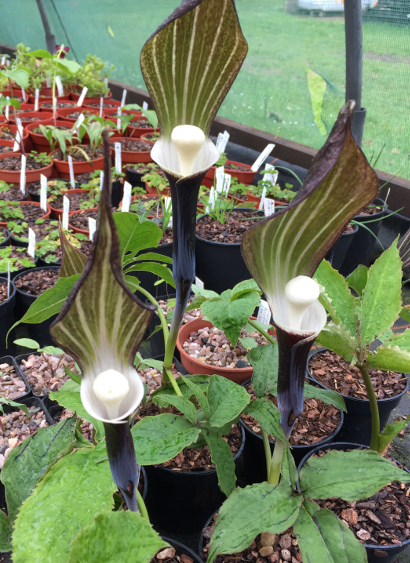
[(111, 387), (300, 293), (188, 140)]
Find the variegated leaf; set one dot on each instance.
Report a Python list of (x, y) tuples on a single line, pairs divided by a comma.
[(73, 260)]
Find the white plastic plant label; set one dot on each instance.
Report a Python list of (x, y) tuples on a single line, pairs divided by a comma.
[(101, 180), (211, 200), (262, 201), (31, 250), (126, 200), (7, 62), (168, 203), (59, 85), (170, 223), (66, 211), (199, 283), (144, 105), (43, 192), (7, 109), (227, 183), (3, 60), (264, 313), (271, 177), (119, 120), (71, 168), (118, 163), (219, 141), (78, 123), (19, 135), (106, 85), (81, 98), (8, 279), (92, 227), (124, 96), (269, 207), (101, 106), (47, 81), (23, 174), (220, 178), (23, 93), (262, 157), (36, 99)]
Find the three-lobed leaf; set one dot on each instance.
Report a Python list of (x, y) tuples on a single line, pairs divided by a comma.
[(265, 363), (226, 400)]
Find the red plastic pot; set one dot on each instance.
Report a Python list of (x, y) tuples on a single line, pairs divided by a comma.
[(88, 99), (13, 176), (63, 113), (14, 130), (153, 191), (42, 115), (133, 131), (40, 142), (58, 213), (42, 108), (17, 93), (3, 224), (130, 157), (79, 167), (256, 199), (133, 198), (109, 112), (238, 375), (245, 177), (46, 96), (87, 104), (75, 229)]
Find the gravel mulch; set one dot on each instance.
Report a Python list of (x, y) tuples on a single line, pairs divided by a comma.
[(231, 232), (31, 212), (5, 148), (134, 146), (334, 373), (76, 114), (141, 123), (169, 555), (283, 548), (11, 384), (369, 210), (3, 292), (60, 105), (36, 283), (13, 163), (86, 427), (167, 237), (16, 427), (211, 346), (153, 378), (168, 305), (45, 372), (78, 155), (317, 422), (80, 220), (348, 229)]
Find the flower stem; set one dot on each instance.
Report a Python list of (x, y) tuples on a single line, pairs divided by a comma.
[(263, 332), (170, 347), (141, 506), (268, 454), (276, 463), (160, 312), (374, 410)]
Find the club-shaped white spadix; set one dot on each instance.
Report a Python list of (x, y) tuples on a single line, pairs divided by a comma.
[(300, 293), (111, 387), (188, 140)]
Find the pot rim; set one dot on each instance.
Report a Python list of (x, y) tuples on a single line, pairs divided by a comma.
[(13, 293), (223, 243), (51, 267)]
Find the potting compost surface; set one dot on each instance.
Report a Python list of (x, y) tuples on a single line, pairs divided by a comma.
[(169, 555), (45, 372), (166, 237), (317, 421), (30, 212), (35, 187), (13, 163), (80, 220), (5, 148), (37, 282), (231, 231), (135, 145), (3, 292), (76, 199), (13, 194), (12, 385), (16, 427), (77, 153)]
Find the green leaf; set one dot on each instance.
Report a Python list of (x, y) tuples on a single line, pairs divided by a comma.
[(268, 416), (248, 342), (378, 313), (6, 531), (40, 54), (285, 245), (154, 256), (208, 293), (338, 339), (135, 236), (116, 536), (208, 51), (199, 394), (357, 280), (231, 316), (27, 343), (156, 364), (76, 487), (265, 363), (74, 260), (226, 400), (20, 77), (342, 309), (323, 538), (289, 470), (317, 88), (244, 287), (326, 395), (73, 376), (390, 432), (28, 462), (405, 314), (183, 405), (222, 458), (159, 270), (393, 355), (201, 381), (68, 397), (364, 473), (267, 508), (160, 438)]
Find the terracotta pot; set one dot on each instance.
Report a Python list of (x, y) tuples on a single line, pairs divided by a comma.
[(3, 224), (40, 142), (133, 131), (46, 96), (135, 197), (14, 130), (42, 115), (143, 138), (88, 99), (75, 229), (63, 113), (58, 213), (245, 177), (42, 104), (87, 104), (17, 93), (13, 177), (130, 157), (166, 192), (238, 375), (79, 167)]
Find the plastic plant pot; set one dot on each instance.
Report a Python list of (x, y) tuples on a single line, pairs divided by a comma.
[(13, 176), (257, 199), (75, 96), (135, 178), (148, 279), (7, 319), (244, 176), (82, 167), (42, 105), (131, 157), (46, 96), (375, 553), (112, 112), (13, 128), (46, 215), (108, 103), (358, 421), (36, 196), (133, 131), (41, 115), (6, 234), (58, 213), (64, 113), (182, 549), (153, 191), (39, 141), (76, 229), (179, 502)]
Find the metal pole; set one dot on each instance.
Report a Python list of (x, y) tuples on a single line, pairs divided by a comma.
[(354, 64), (50, 38)]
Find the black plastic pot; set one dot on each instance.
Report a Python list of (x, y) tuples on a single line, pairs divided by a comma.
[(341, 248), (22, 243), (7, 320), (180, 502), (182, 549), (386, 553), (116, 193), (218, 264), (12, 362), (43, 264), (135, 178), (361, 248), (357, 425), (147, 279), (19, 271), (254, 453), (36, 197), (5, 233)]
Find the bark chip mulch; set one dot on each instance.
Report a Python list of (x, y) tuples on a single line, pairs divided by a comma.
[(3, 292), (36, 283), (45, 372), (11, 384), (334, 373), (166, 237), (80, 220), (13, 194), (231, 232)]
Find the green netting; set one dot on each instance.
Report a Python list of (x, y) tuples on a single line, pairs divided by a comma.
[(272, 91)]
